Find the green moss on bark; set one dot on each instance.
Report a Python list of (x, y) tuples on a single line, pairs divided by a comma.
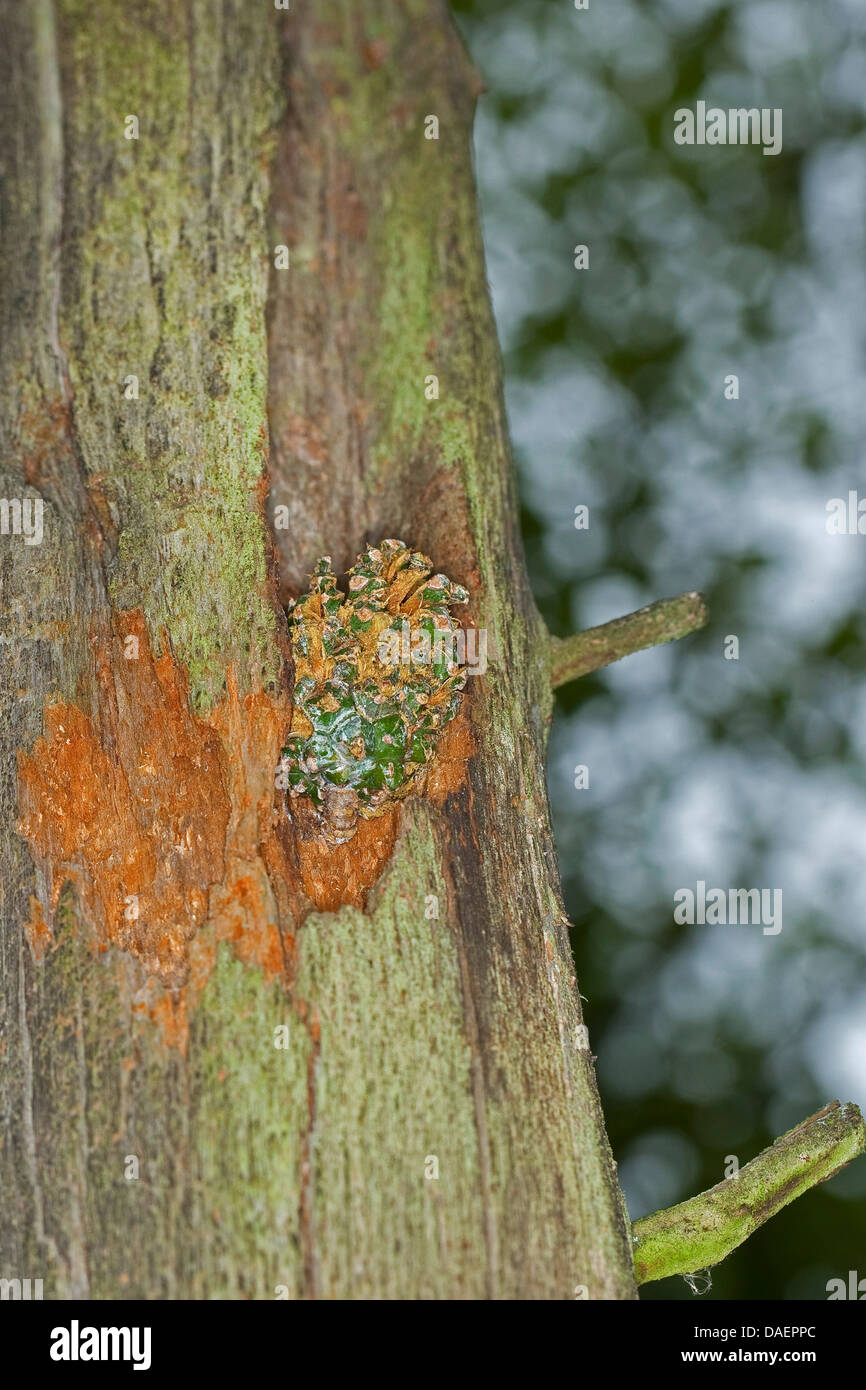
[(165, 278)]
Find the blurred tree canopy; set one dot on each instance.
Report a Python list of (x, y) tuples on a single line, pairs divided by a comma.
[(703, 263)]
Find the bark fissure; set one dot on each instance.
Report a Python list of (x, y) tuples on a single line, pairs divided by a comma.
[(306, 1218), (41, 1236), (473, 1039)]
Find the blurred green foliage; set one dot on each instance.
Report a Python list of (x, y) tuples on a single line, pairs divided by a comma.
[(704, 262)]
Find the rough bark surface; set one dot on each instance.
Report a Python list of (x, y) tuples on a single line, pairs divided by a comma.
[(164, 923)]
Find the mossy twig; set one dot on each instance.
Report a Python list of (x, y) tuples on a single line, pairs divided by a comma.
[(702, 1231), (587, 651)]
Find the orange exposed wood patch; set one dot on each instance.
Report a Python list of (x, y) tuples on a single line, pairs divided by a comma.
[(334, 875), (134, 812), (168, 1010), (245, 905), (37, 930), (455, 747), (374, 52), (156, 815), (168, 826), (44, 435)]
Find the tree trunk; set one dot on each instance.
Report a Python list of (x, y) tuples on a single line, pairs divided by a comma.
[(238, 1062)]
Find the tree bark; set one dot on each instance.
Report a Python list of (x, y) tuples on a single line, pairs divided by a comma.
[(230, 1054)]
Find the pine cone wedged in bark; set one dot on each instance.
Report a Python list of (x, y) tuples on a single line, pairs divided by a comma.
[(377, 676)]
